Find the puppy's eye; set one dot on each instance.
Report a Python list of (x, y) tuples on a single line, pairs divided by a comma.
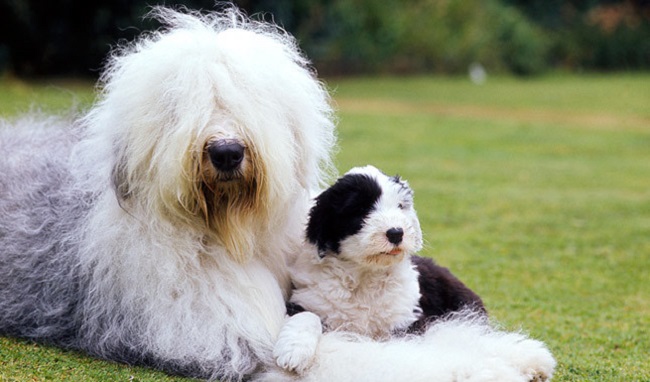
[(400, 206)]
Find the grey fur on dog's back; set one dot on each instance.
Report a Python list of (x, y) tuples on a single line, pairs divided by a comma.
[(39, 213)]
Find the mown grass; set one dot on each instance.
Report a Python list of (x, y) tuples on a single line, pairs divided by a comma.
[(535, 192), (52, 96)]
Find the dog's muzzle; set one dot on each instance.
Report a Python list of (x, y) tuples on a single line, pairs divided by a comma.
[(226, 155)]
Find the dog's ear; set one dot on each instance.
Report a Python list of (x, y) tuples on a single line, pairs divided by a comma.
[(405, 189), (319, 232), (120, 181)]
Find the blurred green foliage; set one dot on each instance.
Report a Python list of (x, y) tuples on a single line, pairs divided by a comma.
[(356, 36), (593, 34)]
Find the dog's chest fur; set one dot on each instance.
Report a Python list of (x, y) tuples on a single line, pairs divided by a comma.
[(373, 302)]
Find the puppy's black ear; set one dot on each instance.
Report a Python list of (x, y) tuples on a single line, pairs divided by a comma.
[(319, 227), (340, 211)]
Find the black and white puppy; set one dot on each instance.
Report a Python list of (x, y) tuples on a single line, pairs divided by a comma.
[(359, 279), (360, 274)]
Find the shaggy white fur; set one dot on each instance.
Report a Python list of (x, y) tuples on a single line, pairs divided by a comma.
[(126, 239), (462, 348), (196, 266)]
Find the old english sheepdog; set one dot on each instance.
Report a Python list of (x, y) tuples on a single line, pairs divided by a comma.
[(360, 272), (157, 228)]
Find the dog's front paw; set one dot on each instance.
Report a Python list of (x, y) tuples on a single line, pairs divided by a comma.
[(297, 342)]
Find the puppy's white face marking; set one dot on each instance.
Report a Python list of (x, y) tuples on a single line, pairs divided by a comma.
[(366, 217), (391, 230)]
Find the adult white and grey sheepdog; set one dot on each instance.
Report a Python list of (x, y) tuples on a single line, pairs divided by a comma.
[(156, 229)]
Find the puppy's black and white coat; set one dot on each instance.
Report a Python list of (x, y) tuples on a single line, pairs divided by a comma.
[(358, 279), (361, 275)]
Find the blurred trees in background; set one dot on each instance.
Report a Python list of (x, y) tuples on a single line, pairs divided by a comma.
[(72, 37)]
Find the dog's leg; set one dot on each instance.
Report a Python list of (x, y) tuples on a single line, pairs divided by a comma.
[(297, 342), (454, 351), (530, 357)]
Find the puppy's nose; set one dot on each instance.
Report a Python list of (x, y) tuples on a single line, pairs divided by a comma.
[(395, 235), (226, 156)]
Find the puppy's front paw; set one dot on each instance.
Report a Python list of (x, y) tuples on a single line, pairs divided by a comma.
[(297, 342)]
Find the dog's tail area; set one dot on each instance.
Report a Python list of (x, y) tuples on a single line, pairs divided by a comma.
[(458, 349)]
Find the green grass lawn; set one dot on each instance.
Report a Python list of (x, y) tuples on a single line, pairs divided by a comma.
[(534, 192)]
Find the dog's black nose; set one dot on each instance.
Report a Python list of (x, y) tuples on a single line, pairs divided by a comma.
[(395, 235), (226, 156)]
